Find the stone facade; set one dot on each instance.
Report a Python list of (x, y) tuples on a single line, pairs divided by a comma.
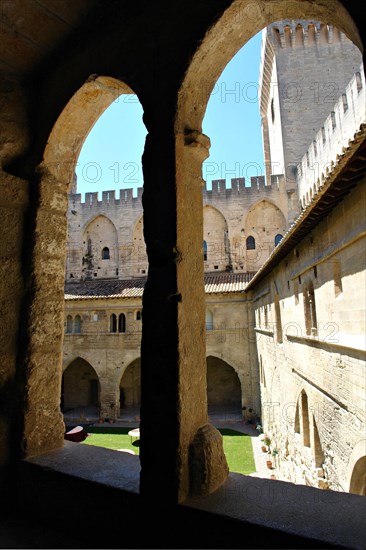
[(310, 332), (62, 65), (262, 342)]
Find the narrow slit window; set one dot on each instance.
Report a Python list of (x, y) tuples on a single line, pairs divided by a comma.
[(250, 243), (69, 324), (105, 253), (77, 324), (121, 323), (113, 323)]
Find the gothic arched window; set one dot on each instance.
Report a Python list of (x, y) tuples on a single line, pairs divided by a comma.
[(204, 250), (77, 324), (278, 238), (113, 323), (250, 243), (121, 323)]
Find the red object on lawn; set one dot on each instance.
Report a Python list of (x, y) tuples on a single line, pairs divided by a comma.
[(76, 434)]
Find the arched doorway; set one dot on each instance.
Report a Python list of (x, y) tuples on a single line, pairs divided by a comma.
[(223, 390), (358, 477), (80, 392), (130, 391)]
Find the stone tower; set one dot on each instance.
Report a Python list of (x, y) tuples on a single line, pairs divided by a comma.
[(305, 67)]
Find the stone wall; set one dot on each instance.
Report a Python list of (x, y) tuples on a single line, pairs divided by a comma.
[(117, 224), (110, 355), (310, 327)]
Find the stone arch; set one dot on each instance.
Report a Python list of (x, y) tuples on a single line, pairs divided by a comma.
[(75, 122), (130, 389), (356, 471), (231, 31), (263, 222), (224, 392), (80, 393), (239, 23), (100, 233), (54, 178), (215, 234)]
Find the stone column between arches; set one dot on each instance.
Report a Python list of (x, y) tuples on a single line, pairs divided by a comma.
[(43, 421), (13, 206), (190, 459)]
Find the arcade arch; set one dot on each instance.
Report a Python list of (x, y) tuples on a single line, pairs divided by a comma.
[(80, 389), (130, 389), (222, 41), (215, 232), (100, 243), (224, 392)]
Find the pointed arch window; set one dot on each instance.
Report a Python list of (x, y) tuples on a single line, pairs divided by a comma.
[(204, 250), (105, 253), (250, 242), (69, 324), (310, 311), (209, 320), (138, 315), (278, 238), (113, 323), (77, 324), (305, 419), (121, 323)]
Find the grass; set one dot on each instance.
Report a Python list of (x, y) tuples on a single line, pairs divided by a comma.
[(239, 451), (237, 446)]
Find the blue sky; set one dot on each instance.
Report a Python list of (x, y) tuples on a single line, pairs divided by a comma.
[(111, 155)]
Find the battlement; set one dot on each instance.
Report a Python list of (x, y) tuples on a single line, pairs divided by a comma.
[(301, 33), (238, 188), (126, 198), (339, 128)]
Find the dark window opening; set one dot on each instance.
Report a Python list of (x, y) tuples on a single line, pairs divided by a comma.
[(250, 242)]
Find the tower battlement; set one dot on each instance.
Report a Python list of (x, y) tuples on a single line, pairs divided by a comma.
[(237, 187), (338, 130), (91, 200), (300, 33)]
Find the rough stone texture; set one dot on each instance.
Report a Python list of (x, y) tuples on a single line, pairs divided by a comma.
[(208, 467), (185, 47), (327, 365)]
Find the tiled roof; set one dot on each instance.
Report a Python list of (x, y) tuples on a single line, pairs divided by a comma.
[(215, 283), (105, 288), (226, 282)]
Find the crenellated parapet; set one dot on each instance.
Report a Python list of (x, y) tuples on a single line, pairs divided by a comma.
[(300, 33), (239, 188), (338, 130), (126, 198)]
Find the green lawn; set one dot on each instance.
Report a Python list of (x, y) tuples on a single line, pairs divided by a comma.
[(237, 446)]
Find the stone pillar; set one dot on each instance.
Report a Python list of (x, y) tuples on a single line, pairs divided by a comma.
[(43, 421), (13, 203), (109, 399), (173, 363)]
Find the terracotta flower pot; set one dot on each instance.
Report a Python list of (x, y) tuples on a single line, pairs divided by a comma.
[(264, 449), (269, 464)]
